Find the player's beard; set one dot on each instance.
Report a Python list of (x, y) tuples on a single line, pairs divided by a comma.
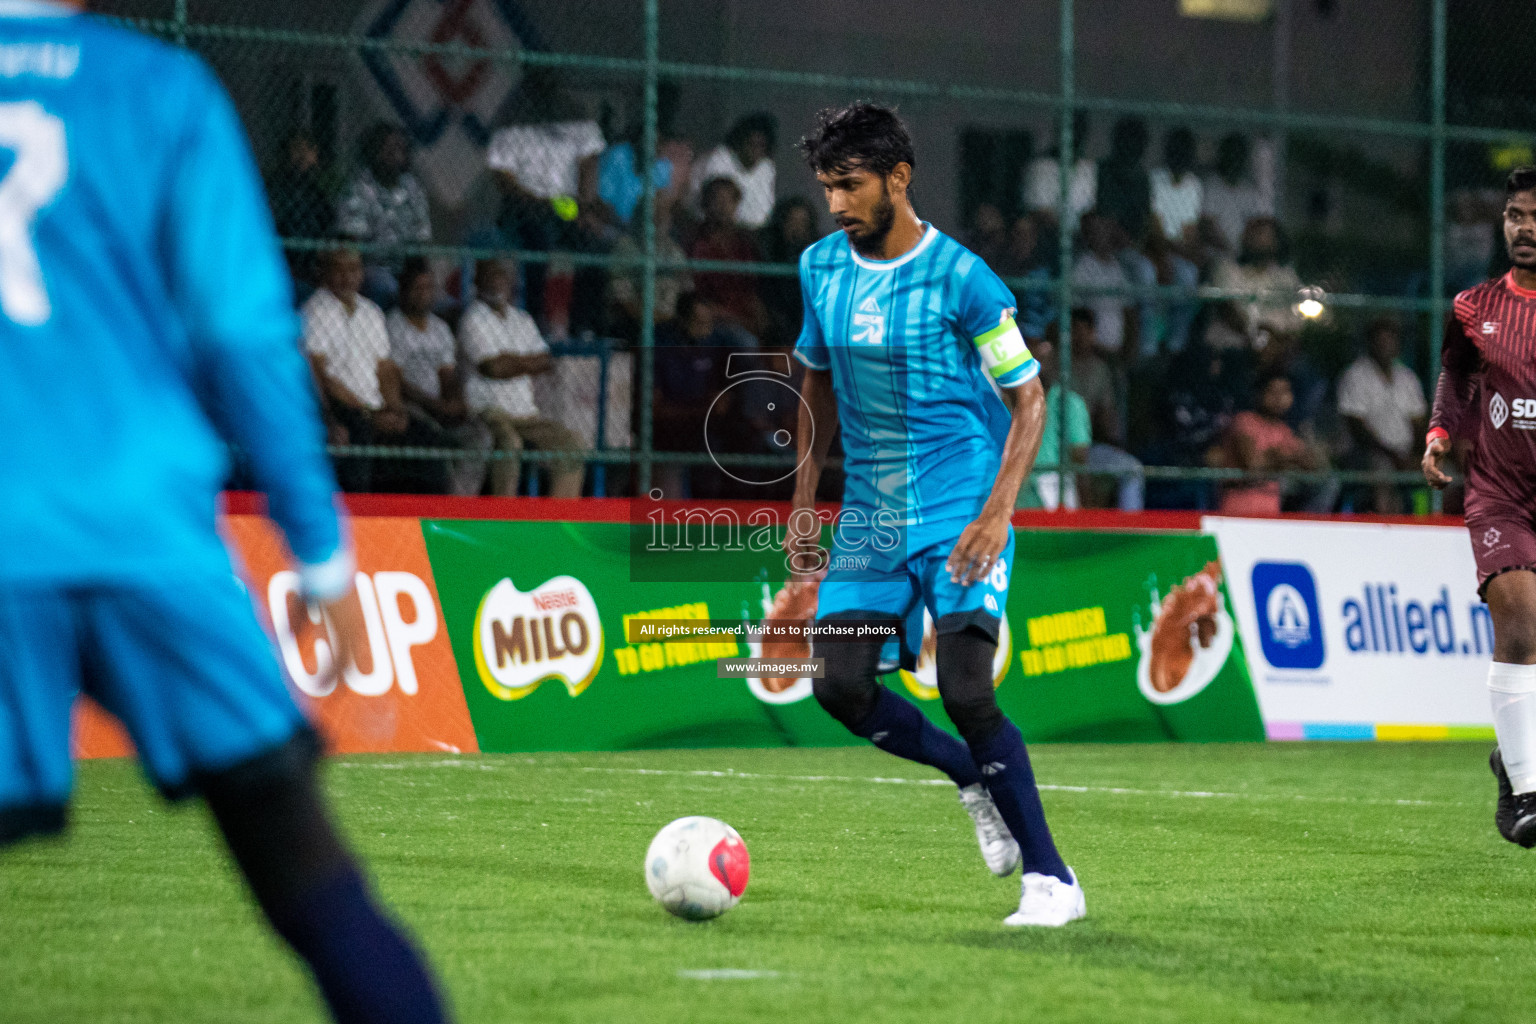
[(882, 219), (1526, 259)]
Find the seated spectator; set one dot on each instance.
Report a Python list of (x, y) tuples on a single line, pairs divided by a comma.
[(1261, 266), (1100, 387), (621, 181), (988, 235), (1473, 234), (1024, 259), (503, 351), (547, 171), (691, 356), (746, 158), (672, 146), (1124, 190), (421, 344), (1260, 439), (721, 237), (348, 346), (384, 205), (624, 286), (1175, 241), (1230, 198), (301, 205), (1098, 266), (1044, 489), (790, 231), (1042, 178), (1198, 398), (1382, 404)]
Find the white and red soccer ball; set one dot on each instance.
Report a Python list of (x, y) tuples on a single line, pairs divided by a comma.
[(697, 867)]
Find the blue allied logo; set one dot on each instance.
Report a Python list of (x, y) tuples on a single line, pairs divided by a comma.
[(1285, 603)]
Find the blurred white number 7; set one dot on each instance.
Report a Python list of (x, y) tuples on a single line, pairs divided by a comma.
[(40, 171)]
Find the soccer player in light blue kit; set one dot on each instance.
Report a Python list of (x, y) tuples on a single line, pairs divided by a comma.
[(146, 320), (910, 347)]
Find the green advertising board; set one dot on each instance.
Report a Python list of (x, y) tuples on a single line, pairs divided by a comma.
[(537, 614)]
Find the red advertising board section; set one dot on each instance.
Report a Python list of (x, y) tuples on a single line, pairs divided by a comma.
[(410, 698)]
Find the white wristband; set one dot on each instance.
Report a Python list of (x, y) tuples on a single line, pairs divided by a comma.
[(330, 579)]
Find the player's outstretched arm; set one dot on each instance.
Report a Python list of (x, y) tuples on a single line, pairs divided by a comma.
[(984, 539), (231, 289), (813, 439)]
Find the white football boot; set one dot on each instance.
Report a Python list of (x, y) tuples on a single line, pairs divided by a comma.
[(998, 847), (1048, 902)]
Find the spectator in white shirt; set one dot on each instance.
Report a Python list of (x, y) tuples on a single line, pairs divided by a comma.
[(1098, 266), (1262, 267), (547, 171), (1042, 179), (1382, 403), (1175, 248), (1230, 198), (503, 350), (745, 157), (348, 346), (422, 346)]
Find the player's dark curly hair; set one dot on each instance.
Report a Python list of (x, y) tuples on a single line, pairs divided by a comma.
[(861, 134), (1521, 179)]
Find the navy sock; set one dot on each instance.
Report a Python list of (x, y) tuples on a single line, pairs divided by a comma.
[(367, 971), (897, 727), (1011, 781)]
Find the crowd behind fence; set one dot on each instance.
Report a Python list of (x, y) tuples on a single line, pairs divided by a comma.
[(534, 256)]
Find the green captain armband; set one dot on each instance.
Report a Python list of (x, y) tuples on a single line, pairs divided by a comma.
[(1003, 350)]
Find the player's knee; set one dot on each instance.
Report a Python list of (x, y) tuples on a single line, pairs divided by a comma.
[(847, 699), (1515, 643), (965, 684), (847, 689)]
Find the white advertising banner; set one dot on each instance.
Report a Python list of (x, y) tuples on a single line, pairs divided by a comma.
[(1359, 631)]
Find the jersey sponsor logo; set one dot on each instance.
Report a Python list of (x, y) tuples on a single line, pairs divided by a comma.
[(1489, 327), (870, 324), (1491, 537), (1290, 628), (1498, 410), (1519, 413), (551, 632)]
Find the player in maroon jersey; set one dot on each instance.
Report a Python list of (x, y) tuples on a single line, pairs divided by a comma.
[(1487, 395)]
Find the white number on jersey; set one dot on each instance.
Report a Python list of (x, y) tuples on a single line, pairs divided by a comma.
[(40, 171)]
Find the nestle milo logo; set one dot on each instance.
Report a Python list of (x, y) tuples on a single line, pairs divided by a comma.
[(550, 632)]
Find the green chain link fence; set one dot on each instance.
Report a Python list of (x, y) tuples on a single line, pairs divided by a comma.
[(1376, 132)]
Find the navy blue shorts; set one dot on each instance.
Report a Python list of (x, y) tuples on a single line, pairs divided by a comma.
[(183, 665)]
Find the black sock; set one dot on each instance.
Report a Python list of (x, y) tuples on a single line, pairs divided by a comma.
[(367, 971), (274, 820)]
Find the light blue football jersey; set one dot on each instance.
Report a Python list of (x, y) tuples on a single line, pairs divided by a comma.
[(922, 427), (146, 315)]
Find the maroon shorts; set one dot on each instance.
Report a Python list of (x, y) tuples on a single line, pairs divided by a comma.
[(1502, 540)]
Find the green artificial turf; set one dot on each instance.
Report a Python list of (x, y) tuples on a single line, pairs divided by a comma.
[(1282, 882)]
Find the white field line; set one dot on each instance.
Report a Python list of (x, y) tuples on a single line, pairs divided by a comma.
[(1178, 794), (726, 974)]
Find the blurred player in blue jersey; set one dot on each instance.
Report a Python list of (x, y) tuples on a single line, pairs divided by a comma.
[(910, 347), (146, 320)]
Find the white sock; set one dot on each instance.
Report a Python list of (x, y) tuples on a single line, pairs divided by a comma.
[(1513, 691)]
